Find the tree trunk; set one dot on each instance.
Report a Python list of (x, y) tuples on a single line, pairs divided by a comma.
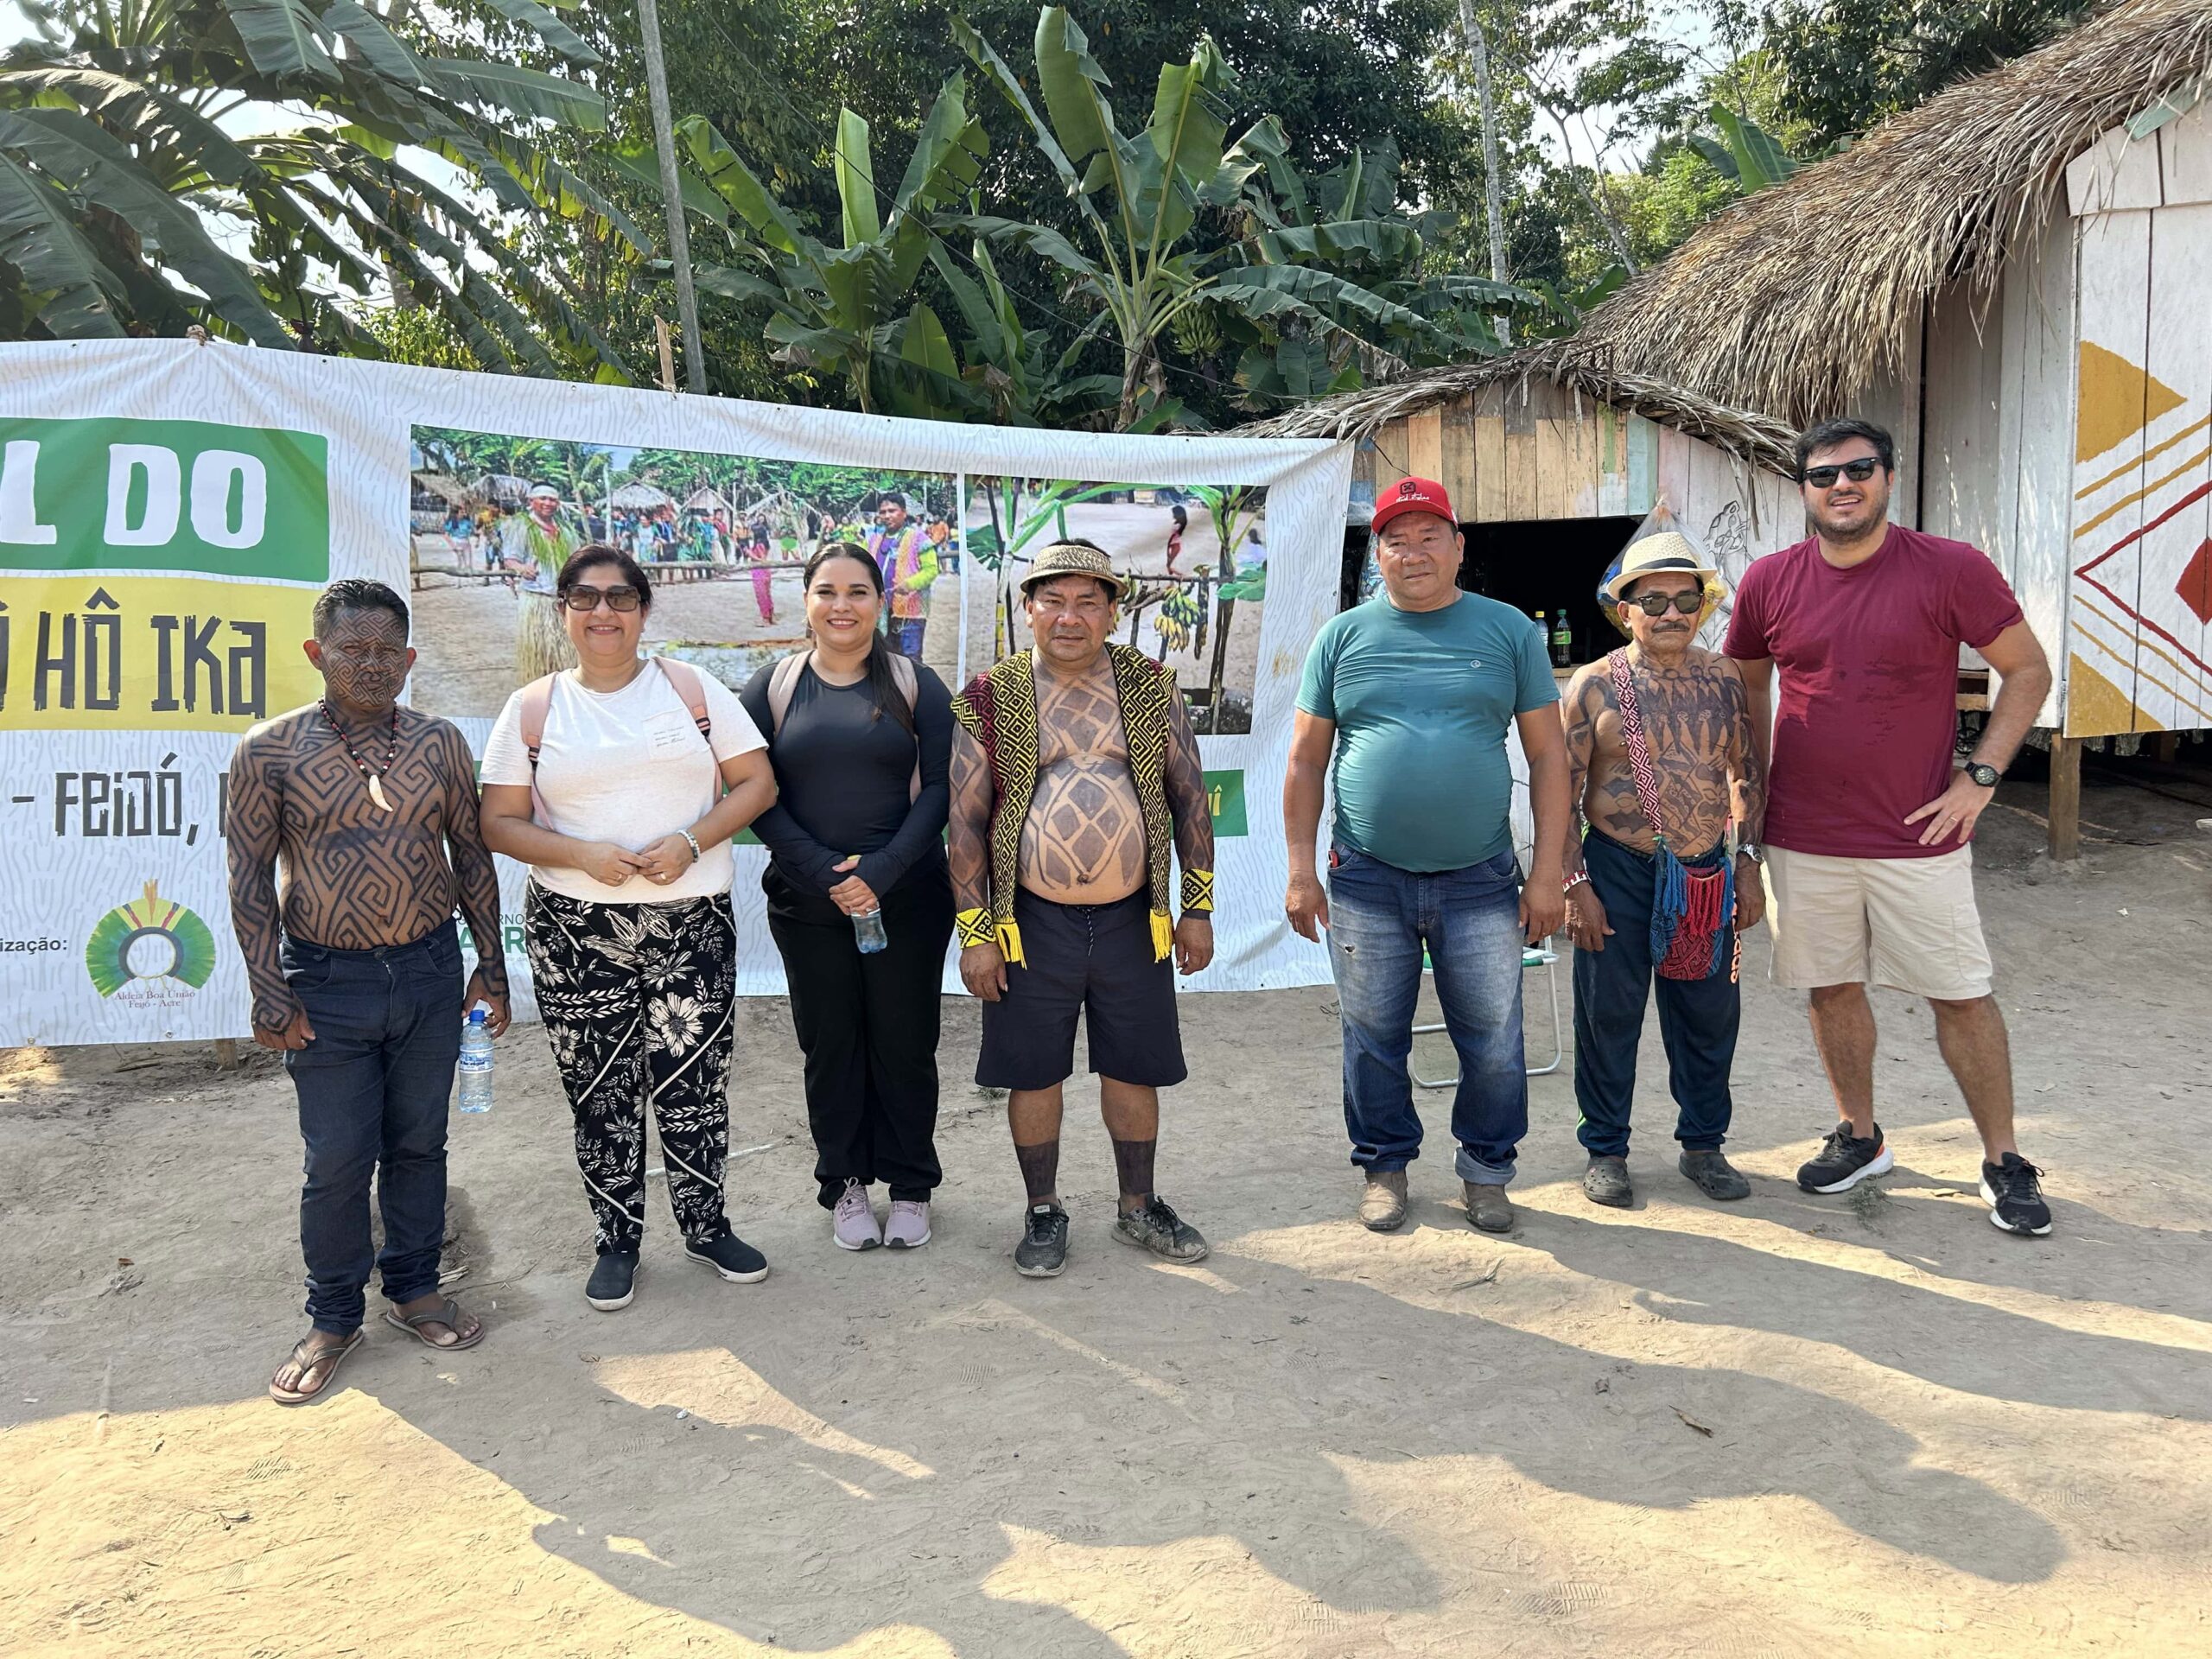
[(1224, 610), (1493, 209)]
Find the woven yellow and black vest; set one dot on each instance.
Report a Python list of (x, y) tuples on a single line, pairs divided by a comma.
[(999, 710)]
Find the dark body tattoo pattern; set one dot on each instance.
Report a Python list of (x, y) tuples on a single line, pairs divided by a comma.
[(1084, 840), (1698, 724), (354, 876)]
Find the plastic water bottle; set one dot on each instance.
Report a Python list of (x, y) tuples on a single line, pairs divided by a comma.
[(476, 1064), (867, 931)]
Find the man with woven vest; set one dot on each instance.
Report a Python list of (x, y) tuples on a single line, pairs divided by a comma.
[(1660, 760), (1075, 787), (907, 557)]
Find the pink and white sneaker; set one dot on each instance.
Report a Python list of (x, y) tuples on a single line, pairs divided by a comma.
[(908, 1227), (852, 1222)]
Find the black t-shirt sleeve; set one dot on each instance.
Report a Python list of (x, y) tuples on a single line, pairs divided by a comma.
[(924, 828), (806, 860)]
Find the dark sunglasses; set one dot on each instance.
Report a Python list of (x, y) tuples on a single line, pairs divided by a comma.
[(1859, 471), (587, 599), (1689, 602)]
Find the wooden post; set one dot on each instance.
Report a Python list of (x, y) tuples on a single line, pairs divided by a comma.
[(2065, 797), (2165, 747)]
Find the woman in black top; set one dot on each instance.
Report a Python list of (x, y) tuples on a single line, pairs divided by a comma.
[(862, 742)]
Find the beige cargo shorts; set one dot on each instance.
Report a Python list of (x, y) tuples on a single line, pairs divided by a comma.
[(1908, 924)]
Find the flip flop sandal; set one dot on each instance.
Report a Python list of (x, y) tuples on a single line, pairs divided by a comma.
[(331, 1358), (447, 1313)]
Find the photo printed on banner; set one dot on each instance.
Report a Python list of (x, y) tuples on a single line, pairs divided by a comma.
[(1195, 557), (723, 539)]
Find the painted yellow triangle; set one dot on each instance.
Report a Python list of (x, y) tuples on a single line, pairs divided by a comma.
[(2094, 706), (2118, 400)]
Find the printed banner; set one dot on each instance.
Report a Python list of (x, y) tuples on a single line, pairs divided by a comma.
[(169, 512)]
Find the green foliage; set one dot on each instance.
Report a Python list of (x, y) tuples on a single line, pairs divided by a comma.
[(1844, 66)]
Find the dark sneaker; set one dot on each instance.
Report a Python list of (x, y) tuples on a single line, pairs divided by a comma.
[(1607, 1182), (2015, 1196), (1844, 1160), (1488, 1207), (1157, 1228), (732, 1257), (614, 1280), (1713, 1175), (1043, 1247)]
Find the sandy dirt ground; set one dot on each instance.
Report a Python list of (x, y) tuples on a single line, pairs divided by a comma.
[(1793, 1426)]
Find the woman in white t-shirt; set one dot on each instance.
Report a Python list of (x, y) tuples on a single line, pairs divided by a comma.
[(620, 782)]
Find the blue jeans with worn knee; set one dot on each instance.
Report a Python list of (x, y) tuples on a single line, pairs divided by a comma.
[(374, 1087), (1382, 919)]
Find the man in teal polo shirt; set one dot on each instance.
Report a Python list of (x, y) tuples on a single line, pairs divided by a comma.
[(1412, 692)]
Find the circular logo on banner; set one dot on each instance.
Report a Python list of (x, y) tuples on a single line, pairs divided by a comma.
[(153, 947)]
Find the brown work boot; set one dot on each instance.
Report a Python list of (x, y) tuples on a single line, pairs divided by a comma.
[(1383, 1206), (1488, 1207)]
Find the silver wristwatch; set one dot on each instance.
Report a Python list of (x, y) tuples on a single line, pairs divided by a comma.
[(1751, 850)]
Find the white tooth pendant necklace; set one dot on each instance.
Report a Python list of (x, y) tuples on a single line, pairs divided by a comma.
[(392, 754)]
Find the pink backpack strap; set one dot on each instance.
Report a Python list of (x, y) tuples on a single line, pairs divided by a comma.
[(782, 682), (910, 687), (685, 679), (537, 698)]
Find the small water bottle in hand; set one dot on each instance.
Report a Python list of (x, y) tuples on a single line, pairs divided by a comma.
[(867, 931), (476, 1064)]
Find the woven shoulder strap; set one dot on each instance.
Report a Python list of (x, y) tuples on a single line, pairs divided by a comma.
[(1639, 746)]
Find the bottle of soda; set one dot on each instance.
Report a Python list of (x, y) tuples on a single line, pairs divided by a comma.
[(1562, 641), (476, 1064), (867, 931), (1543, 625)]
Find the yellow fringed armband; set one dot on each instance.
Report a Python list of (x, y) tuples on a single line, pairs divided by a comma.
[(1197, 890), (1010, 942), (974, 927), (1163, 936)]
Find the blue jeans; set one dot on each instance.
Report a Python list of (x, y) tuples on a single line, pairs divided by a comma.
[(1697, 1017), (1381, 918), (373, 1086)]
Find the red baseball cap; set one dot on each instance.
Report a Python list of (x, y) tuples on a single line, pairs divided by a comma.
[(1412, 495)]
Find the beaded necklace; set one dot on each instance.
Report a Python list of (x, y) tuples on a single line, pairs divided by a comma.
[(375, 778)]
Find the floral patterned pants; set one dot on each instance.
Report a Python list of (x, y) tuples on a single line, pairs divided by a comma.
[(638, 1002)]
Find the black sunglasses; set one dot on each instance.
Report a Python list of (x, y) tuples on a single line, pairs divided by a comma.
[(1859, 471), (587, 599), (1689, 602)]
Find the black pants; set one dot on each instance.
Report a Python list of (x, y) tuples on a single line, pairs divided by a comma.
[(869, 1027), (1697, 1017), (638, 1002)]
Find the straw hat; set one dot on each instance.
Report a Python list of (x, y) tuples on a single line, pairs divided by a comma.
[(1667, 550), (1065, 559)]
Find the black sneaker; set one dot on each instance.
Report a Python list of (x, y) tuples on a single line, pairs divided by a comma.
[(1043, 1247), (2015, 1196), (614, 1280), (732, 1257), (1844, 1160), (1605, 1181), (1157, 1228)]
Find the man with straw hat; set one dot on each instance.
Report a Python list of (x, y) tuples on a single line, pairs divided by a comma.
[(1660, 760), (1409, 696), (1075, 786)]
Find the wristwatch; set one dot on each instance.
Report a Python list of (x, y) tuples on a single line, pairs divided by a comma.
[(1751, 850), (1986, 776)]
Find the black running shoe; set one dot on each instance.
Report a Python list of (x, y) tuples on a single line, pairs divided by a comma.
[(1844, 1160), (732, 1257), (614, 1280), (1154, 1226), (1043, 1247), (2015, 1196)]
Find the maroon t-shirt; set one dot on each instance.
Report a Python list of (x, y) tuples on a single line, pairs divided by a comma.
[(1868, 660)]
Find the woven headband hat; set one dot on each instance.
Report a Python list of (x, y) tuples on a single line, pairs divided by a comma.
[(1065, 559)]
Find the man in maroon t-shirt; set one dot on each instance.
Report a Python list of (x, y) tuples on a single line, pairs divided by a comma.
[(1870, 875)]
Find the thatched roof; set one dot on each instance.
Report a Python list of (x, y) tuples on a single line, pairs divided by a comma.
[(1808, 292), (643, 497), (451, 491), (1759, 440), (708, 500)]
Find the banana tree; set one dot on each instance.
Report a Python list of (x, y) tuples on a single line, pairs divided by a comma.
[(1139, 197), (849, 311), (126, 208)]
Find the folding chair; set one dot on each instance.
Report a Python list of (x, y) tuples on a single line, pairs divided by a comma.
[(1531, 957)]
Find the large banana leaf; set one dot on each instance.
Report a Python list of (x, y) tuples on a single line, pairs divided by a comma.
[(948, 155), (726, 173), (366, 37), (80, 152), (1038, 239), (853, 166), (161, 124), (517, 91), (1271, 292), (1385, 245), (1010, 88), (1074, 87), (283, 38), (549, 28), (37, 238)]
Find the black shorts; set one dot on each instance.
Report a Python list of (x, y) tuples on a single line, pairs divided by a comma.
[(1093, 959)]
